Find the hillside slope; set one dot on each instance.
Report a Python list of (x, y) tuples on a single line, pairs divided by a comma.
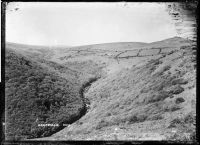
[(154, 99), (35, 95)]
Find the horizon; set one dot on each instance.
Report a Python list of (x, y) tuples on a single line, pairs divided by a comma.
[(78, 24), (90, 44)]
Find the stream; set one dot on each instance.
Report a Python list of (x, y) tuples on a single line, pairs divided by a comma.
[(84, 88)]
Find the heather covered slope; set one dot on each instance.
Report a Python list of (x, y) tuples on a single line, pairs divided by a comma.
[(35, 95)]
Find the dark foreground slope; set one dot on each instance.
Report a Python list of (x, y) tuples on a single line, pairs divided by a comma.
[(34, 96)]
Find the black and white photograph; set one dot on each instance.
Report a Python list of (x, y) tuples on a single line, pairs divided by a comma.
[(100, 71)]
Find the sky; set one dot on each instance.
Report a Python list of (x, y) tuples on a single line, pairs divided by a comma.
[(75, 24)]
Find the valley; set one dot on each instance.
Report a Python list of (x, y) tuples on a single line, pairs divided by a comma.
[(113, 91)]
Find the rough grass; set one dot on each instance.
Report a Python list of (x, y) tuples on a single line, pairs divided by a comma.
[(186, 128)]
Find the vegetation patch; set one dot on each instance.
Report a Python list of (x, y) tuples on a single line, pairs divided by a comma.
[(180, 100), (171, 108), (102, 123), (180, 81), (136, 118), (177, 89), (160, 96), (162, 70), (155, 117)]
